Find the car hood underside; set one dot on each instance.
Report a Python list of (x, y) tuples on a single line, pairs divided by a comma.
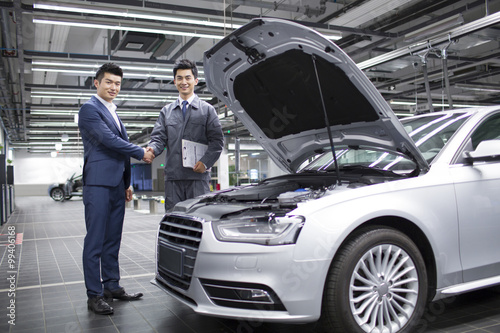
[(290, 87)]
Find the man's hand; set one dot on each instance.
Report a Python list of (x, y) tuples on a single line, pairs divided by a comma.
[(199, 167), (129, 193), (148, 155)]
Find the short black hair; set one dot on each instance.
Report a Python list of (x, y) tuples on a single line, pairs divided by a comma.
[(108, 68), (186, 64)]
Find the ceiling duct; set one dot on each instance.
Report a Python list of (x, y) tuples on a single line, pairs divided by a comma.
[(135, 41), (164, 46)]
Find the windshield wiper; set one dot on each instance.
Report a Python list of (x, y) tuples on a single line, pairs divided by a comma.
[(350, 167)]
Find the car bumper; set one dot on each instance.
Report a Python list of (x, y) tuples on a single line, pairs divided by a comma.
[(247, 281)]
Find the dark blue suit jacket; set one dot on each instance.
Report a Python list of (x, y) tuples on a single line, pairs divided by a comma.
[(107, 150)]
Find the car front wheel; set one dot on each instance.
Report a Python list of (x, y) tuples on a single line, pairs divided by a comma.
[(57, 194), (377, 283)]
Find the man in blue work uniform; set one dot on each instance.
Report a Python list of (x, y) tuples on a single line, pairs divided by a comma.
[(191, 119)]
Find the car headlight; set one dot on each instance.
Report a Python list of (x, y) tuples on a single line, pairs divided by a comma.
[(271, 231)]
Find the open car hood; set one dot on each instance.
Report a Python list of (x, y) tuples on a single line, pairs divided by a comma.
[(285, 82)]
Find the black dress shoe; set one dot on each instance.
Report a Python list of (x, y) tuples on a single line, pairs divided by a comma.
[(120, 294), (98, 305)]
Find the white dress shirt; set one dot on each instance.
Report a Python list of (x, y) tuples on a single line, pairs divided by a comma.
[(112, 110)]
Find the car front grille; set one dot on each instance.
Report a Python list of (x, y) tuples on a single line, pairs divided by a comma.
[(251, 296), (178, 242)]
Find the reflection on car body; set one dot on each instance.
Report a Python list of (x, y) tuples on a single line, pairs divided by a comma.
[(376, 218)]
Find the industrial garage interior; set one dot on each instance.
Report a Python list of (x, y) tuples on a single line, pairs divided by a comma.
[(422, 56)]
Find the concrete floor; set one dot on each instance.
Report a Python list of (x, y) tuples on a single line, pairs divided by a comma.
[(50, 293)]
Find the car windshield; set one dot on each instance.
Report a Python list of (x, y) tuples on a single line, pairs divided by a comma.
[(430, 133)]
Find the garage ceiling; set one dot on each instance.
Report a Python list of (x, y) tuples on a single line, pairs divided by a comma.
[(422, 55)]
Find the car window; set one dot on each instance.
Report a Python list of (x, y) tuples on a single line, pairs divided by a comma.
[(489, 129), (366, 157), (431, 133)]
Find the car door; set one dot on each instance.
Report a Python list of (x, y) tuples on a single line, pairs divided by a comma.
[(477, 188)]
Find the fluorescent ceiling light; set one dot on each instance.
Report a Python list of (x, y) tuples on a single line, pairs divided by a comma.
[(125, 28), (48, 144), (477, 87), (402, 103), (92, 73), (55, 138), (137, 15), (96, 66), (53, 112), (58, 131), (72, 93), (47, 123), (71, 113), (36, 131), (63, 71), (164, 100)]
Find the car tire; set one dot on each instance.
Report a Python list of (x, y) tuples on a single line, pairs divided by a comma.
[(57, 194), (376, 283)]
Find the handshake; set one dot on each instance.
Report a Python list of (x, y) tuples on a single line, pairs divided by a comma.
[(149, 155)]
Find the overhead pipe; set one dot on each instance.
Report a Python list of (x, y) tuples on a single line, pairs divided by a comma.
[(20, 57), (455, 33), (423, 58), (10, 74), (444, 56)]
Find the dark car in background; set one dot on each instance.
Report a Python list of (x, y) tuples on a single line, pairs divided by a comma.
[(73, 187)]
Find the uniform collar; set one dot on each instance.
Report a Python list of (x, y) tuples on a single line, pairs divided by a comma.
[(189, 100)]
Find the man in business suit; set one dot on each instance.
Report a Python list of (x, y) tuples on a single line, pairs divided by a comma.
[(106, 187)]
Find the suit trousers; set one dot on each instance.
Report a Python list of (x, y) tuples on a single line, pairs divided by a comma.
[(104, 213)]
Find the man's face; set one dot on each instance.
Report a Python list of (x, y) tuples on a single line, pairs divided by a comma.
[(184, 81), (109, 87)]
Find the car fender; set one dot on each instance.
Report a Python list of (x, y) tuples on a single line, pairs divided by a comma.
[(54, 186), (330, 220)]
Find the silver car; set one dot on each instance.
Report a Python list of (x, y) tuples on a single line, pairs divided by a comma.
[(376, 217)]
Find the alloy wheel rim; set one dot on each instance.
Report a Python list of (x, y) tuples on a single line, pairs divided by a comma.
[(383, 290), (58, 194)]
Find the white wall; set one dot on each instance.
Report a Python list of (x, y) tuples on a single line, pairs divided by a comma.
[(44, 169), (33, 173)]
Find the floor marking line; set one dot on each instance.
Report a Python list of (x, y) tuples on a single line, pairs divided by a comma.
[(70, 283)]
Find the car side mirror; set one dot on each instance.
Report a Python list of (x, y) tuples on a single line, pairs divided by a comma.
[(486, 151)]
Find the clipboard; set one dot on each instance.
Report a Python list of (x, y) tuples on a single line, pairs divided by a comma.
[(192, 152)]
